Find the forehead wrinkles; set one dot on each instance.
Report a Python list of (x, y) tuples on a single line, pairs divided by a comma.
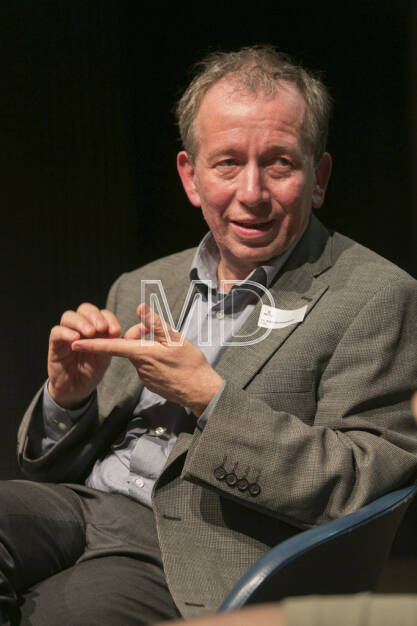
[(227, 99)]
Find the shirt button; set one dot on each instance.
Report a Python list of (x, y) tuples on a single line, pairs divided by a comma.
[(160, 431), (220, 315), (139, 482), (62, 426)]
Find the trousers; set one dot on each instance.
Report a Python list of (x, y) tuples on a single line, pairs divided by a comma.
[(75, 556)]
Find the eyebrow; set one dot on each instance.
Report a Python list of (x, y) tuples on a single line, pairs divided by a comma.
[(291, 150)]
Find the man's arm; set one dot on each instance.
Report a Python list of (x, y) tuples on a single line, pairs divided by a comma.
[(72, 380), (71, 458), (361, 445)]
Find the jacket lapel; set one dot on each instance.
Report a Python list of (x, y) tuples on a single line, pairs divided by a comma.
[(299, 284), (240, 370)]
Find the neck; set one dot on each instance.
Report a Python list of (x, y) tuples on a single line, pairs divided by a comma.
[(230, 273)]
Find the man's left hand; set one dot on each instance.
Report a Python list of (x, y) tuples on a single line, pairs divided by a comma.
[(177, 371)]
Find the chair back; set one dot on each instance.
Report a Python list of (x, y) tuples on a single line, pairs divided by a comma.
[(339, 557)]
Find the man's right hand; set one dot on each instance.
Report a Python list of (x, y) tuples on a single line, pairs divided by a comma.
[(73, 376)]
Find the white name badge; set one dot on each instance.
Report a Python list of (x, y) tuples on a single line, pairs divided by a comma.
[(270, 317)]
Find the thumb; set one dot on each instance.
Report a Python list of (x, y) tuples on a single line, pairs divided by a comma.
[(138, 331), (155, 325)]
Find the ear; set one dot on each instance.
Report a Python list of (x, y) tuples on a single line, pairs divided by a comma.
[(186, 170), (322, 174)]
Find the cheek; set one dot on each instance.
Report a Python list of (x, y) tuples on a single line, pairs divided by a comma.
[(214, 200), (213, 218), (294, 198)]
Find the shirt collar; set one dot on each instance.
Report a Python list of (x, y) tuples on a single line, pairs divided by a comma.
[(207, 258)]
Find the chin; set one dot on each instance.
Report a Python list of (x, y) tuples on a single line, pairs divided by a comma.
[(258, 256)]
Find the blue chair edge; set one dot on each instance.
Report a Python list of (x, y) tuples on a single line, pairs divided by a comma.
[(290, 549)]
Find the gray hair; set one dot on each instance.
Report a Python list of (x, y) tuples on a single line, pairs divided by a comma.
[(257, 69)]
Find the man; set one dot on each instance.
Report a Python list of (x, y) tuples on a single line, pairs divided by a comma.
[(227, 450)]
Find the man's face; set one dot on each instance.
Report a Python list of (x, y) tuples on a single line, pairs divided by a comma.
[(253, 175)]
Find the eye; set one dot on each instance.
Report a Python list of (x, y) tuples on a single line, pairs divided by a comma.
[(228, 167), (227, 163), (280, 166), (283, 161)]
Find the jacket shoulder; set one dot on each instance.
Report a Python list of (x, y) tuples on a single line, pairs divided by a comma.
[(169, 269), (127, 291), (355, 262), (173, 265)]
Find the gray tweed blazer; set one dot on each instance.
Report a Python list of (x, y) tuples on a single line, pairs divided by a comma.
[(315, 417)]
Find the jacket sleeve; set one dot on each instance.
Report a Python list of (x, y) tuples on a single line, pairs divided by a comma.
[(58, 462), (362, 444)]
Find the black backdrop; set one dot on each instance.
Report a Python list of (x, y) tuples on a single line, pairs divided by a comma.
[(88, 145)]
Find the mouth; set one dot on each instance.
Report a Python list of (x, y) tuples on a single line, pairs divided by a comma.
[(251, 228)]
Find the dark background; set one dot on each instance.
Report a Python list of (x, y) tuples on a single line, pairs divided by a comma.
[(88, 143)]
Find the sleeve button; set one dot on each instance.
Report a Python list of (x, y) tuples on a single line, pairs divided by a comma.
[(231, 479), (254, 489), (242, 484), (220, 473)]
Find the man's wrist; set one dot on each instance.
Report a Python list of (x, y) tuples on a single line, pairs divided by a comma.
[(206, 395), (64, 401), (59, 420)]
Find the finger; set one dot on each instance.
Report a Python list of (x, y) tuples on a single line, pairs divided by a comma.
[(114, 328), (136, 332), (63, 334), (60, 340), (161, 330), (94, 316), (77, 322), (88, 328), (115, 347)]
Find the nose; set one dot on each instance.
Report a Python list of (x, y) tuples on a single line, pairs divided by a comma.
[(251, 188)]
